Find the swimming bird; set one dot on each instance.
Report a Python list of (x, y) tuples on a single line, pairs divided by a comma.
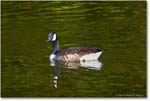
[(72, 53)]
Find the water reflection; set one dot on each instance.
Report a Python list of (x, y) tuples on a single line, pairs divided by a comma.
[(94, 65), (56, 74)]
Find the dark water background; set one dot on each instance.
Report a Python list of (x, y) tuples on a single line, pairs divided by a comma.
[(119, 28)]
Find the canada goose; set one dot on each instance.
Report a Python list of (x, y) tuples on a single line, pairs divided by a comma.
[(72, 53)]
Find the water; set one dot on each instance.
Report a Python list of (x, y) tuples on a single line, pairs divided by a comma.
[(118, 28)]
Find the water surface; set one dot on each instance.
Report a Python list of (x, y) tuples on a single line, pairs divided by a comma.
[(118, 28)]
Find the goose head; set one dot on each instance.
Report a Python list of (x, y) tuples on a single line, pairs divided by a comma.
[(51, 37)]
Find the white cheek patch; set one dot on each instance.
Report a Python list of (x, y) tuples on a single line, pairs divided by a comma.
[(54, 37)]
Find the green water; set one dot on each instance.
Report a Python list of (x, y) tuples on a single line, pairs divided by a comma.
[(118, 28)]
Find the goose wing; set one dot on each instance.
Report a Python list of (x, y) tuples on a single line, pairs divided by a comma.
[(75, 53)]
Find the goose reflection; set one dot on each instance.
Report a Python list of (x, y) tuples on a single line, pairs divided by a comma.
[(94, 65)]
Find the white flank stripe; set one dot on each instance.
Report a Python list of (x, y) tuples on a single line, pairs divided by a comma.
[(89, 57)]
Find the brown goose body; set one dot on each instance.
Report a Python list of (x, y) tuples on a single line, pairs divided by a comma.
[(72, 53), (76, 53)]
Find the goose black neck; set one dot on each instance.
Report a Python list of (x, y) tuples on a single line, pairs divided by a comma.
[(55, 47)]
